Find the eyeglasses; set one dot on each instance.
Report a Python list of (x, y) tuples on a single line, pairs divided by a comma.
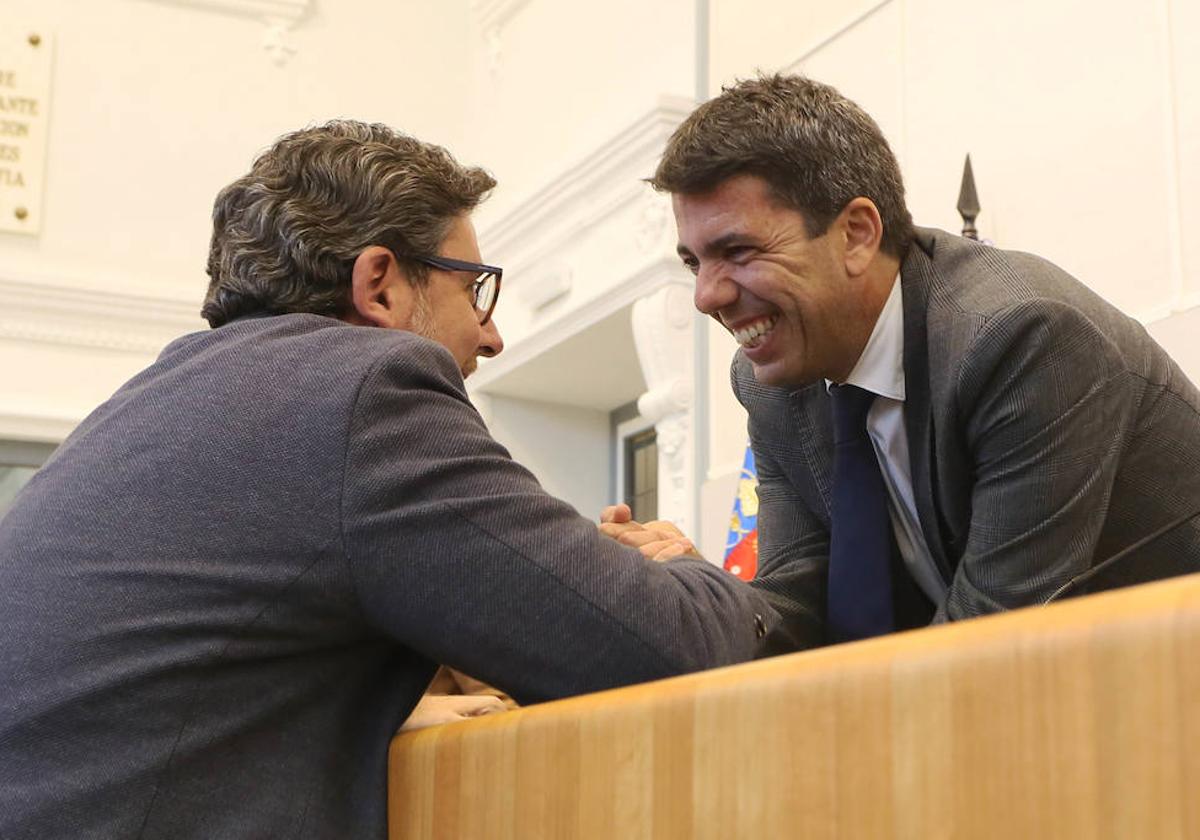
[(487, 283)]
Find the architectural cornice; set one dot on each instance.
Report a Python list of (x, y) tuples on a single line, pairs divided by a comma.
[(585, 193), (46, 309)]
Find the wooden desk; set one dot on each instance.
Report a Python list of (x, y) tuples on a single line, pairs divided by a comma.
[(1076, 720)]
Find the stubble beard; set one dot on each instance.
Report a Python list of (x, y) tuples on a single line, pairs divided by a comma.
[(423, 324)]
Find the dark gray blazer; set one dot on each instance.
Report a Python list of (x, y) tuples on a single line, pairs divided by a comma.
[(229, 587), (1046, 431)]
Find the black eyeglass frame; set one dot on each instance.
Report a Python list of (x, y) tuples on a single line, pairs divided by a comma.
[(447, 264)]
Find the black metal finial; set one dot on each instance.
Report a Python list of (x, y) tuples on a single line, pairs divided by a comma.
[(968, 202)]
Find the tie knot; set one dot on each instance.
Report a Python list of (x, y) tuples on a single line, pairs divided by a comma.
[(850, 407)]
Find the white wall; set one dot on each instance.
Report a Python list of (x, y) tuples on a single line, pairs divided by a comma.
[(566, 447), (155, 106)]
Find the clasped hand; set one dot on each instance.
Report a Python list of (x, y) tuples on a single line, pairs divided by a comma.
[(658, 540), (436, 709)]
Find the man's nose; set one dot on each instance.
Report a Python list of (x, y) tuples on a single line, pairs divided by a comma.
[(714, 290), (490, 342)]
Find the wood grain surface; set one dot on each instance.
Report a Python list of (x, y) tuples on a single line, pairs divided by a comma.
[(1077, 720)]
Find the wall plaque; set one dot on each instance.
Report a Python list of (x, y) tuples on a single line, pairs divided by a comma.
[(24, 113)]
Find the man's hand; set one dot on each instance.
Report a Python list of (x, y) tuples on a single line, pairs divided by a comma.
[(659, 540), (436, 709)]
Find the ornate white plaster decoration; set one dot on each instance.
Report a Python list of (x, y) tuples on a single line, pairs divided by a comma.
[(275, 42), (279, 17), (549, 286), (491, 16), (662, 329), (653, 223), (48, 310)]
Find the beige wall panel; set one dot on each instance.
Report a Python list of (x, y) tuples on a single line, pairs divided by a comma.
[(1180, 335), (749, 35), (1064, 109), (727, 418), (716, 510), (727, 438), (866, 63), (1184, 21)]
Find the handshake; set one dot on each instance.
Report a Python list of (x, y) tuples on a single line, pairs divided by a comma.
[(658, 540), (454, 696)]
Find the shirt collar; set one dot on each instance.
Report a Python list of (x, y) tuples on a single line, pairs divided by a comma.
[(880, 368)]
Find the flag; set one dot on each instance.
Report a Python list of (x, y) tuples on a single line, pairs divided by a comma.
[(741, 546)]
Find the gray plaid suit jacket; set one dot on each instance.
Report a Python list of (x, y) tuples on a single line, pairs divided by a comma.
[(1046, 430)]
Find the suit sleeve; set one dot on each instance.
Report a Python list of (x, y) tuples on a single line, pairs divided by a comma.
[(1046, 403), (793, 547), (459, 554)]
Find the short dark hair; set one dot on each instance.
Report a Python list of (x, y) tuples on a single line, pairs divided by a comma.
[(815, 148), (285, 235)]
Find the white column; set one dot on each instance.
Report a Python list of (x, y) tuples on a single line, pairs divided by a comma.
[(662, 330)]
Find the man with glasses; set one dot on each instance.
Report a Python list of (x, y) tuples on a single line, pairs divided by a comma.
[(231, 584)]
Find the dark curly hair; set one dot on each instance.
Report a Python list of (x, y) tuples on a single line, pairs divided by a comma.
[(286, 235), (815, 148)]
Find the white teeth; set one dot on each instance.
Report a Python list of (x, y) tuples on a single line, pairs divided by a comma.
[(749, 335)]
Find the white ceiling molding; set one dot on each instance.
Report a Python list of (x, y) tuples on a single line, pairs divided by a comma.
[(279, 16), (36, 425), (490, 17), (56, 311), (589, 191)]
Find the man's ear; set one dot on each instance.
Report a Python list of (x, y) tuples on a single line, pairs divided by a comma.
[(380, 294), (863, 229)]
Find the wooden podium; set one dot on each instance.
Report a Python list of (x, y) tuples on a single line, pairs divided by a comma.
[(1080, 719)]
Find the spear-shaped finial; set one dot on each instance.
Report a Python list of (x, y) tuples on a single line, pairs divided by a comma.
[(968, 202)]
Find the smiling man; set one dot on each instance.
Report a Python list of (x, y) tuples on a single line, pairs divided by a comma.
[(941, 429), (231, 584)]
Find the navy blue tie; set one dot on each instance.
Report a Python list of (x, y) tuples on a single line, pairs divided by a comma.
[(859, 598)]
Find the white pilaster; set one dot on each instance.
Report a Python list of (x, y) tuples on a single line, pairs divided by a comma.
[(662, 330)]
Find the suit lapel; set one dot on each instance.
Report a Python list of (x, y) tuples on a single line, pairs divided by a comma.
[(918, 276), (811, 413)]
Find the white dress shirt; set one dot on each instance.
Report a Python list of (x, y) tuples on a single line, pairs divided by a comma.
[(880, 370)]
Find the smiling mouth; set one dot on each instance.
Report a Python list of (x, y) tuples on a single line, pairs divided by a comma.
[(754, 333)]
